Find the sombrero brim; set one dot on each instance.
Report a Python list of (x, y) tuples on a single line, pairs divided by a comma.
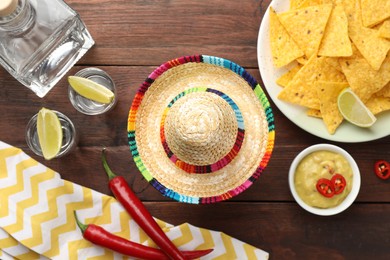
[(146, 114)]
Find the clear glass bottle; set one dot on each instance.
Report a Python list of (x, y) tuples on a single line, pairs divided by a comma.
[(40, 40)]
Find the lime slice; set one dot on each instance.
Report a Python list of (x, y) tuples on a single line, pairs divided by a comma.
[(49, 133), (354, 110), (91, 90)]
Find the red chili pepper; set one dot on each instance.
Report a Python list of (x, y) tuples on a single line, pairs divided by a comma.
[(339, 183), (382, 169), (99, 236), (139, 213), (325, 187)]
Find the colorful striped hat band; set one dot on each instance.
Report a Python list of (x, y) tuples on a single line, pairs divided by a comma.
[(200, 129)]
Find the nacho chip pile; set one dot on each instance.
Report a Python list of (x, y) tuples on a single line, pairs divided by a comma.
[(333, 44)]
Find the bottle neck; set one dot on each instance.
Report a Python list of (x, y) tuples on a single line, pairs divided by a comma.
[(20, 19)]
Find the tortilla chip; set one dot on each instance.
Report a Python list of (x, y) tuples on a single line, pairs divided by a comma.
[(355, 53), (374, 12), (373, 47), (363, 79), (284, 49), (294, 4), (301, 89), (307, 3), (385, 91), (328, 73), (378, 104), (328, 2), (384, 30), (328, 93), (314, 113), (307, 26), (336, 41), (288, 76), (334, 62), (302, 60), (349, 8)]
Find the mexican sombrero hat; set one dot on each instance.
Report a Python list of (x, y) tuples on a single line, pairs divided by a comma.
[(200, 129)]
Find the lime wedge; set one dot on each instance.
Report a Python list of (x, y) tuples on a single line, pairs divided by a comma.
[(354, 110), (49, 133), (91, 90)]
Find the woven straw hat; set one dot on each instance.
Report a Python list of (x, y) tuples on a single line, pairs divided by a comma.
[(200, 129)]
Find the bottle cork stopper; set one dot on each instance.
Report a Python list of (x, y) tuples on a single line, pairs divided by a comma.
[(7, 7)]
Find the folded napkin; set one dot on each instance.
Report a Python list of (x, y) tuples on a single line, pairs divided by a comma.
[(37, 221)]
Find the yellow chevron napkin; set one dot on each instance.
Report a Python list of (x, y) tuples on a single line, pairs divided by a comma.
[(37, 221)]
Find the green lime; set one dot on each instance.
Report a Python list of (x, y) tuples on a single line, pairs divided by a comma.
[(354, 110), (91, 90), (49, 133)]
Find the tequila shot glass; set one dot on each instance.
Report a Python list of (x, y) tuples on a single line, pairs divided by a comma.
[(69, 135), (85, 105)]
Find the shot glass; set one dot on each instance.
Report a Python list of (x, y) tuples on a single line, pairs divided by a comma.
[(69, 135), (87, 106)]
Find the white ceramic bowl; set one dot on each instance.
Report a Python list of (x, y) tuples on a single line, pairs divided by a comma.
[(355, 182)]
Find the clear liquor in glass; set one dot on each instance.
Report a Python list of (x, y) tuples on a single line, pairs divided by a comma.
[(40, 40), (69, 135), (87, 106)]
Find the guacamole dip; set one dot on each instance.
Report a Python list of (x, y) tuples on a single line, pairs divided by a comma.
[(317, 165)]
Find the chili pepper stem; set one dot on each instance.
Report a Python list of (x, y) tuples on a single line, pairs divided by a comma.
[(111, 175), (82, 226)]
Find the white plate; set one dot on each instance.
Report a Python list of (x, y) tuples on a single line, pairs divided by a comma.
[(346, 132)]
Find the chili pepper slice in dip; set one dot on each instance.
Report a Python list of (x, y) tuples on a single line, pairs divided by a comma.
[(325, 188), (99, 236), (382, 169), (139, 213), (338, 181)]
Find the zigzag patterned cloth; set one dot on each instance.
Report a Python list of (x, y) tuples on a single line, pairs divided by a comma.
[(37, 221)]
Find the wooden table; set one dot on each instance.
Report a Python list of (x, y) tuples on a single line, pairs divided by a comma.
[(133, 38)]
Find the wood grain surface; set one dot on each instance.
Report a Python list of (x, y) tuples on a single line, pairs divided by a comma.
[(132, 39)]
